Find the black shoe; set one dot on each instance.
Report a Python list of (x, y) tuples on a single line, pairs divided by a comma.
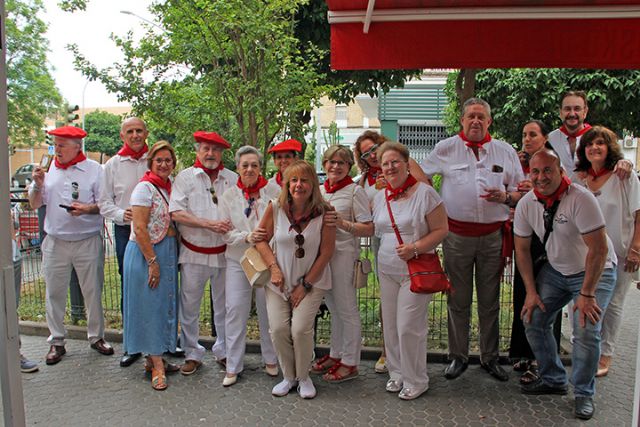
[(455, 368), (539, 387), (496, 371), (178, 353), (128, 359), (584, 407)]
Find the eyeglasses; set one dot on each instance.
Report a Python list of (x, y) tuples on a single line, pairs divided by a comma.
[(369, 152), (168, 161), (299, 241), (247, 210), (391, 164), (75, 193), (214, 198)]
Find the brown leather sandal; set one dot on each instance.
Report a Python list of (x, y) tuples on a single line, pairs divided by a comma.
[(322, 365), (169, 368)]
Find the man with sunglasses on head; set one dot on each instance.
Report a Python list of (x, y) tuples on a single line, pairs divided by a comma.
[(284, 153), (580, 267), (71, 189), (194, 206)]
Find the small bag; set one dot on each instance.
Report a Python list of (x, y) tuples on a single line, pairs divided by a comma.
[(362, 268), (255, 268), (425, 272)]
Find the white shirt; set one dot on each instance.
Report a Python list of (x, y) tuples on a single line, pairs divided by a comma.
[(190, 193), (274, 184), (619, 200), (121, 175), (559, 141), (352, 204), (409, 215), (464, 178), (232, 207), (58, 190), (577, 214)]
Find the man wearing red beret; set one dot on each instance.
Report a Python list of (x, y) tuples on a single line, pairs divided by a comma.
[(71, 190), (121, 174), (194, 206), (284, 154)]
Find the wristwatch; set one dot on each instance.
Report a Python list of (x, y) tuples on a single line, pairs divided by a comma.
[(306, 285)]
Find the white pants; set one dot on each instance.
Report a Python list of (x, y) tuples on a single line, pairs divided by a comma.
[(613, 313), (238, 294), (193, 278), (58, 258), (292, 331), (342, 301), (405, 330)]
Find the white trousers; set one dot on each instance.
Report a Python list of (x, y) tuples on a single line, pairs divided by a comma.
[(292, 331), (58, 259), (405, 330), (238, 294), (342, 300), (193, 278), (613, 313)]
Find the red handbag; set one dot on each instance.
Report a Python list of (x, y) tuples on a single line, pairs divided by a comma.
[(425, 271)]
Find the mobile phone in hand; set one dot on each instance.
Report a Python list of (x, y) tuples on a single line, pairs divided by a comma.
[(67, 207)]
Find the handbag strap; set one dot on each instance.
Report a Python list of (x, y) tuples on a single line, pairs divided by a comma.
[(551, 212), (393, 221)]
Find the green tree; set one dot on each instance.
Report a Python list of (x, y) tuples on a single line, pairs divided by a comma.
[(103, 132), (520, 94), (31, 91)]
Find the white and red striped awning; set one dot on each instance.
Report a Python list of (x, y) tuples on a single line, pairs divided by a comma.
[(413, 34)]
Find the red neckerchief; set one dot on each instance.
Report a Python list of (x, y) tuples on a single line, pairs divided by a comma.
[(597, 175), (127, 151), (210, 172), (394, 193), (372, 175), (476, 144), (339, 185), (77, 159), (564, 130), (297, 225), (157, 181), (279, 178), (557, 195), (526, 169), (254, 188)]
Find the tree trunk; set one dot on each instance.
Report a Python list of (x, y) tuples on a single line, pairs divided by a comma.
[(466, 84)]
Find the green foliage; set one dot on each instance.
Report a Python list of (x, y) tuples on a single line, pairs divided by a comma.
[(332, 135), (518, 95), (31, 90), (103, 132)]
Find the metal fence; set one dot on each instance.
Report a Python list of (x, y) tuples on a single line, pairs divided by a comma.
[(32, 303)]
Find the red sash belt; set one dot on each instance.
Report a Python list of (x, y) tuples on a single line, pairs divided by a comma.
[(474, 229), (199, 249)]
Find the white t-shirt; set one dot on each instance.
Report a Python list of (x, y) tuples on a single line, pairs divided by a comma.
[(619, 200), (145, 194), (191, 193), (409, 214), (81, 182), (577, 214), (352, 204), (465, 179)]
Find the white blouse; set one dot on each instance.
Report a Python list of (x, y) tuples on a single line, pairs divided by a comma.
[(409, 214), (284, 247)]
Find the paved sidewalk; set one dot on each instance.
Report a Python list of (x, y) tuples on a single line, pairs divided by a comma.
[(88, 389)]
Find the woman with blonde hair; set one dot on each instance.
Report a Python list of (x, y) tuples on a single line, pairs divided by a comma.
[(300, 275)]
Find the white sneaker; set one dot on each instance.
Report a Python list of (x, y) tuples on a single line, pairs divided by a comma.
[(394, 386), (306, 389), (283, 387)]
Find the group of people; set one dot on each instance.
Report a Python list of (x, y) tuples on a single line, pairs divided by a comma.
[(561, 185)]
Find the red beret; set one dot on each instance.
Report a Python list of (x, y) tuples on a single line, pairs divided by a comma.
[(70, 132), (211, 137), (288, 145)]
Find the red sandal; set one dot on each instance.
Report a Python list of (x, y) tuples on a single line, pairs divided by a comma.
[(332, 376), (322, 365)]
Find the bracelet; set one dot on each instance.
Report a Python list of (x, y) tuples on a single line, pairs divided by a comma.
[(151, 260), (587, 296), (272, 264), (351, 227), (508, 199), (634, 251), (415, 251), (35, 187)]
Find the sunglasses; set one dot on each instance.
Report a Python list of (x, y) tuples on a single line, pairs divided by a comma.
[(299, 241), (247, 210), (214, 198), (75, 194), (369, 152)]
